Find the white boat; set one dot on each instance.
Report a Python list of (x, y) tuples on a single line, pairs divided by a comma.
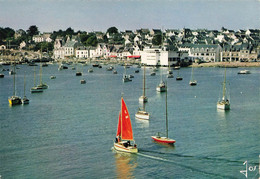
[(126, 78), (114, 72), (192, 81), (224, 103), (158, 137), (161, 87), (42, 85), (36, 89), (52, 77), (143, 98), (124, 137), (142, 114), (244, 72)]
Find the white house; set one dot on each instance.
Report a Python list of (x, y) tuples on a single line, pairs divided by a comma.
[(82, 52)]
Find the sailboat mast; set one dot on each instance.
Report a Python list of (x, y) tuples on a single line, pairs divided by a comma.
[(144, 83), (14, 80), (34, 79), (24, 86), (224, 86), (166, 111), (121, 119)]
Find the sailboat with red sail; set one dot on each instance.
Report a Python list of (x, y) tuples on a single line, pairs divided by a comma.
[(124, 137)]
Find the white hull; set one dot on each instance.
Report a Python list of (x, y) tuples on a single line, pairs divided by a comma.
[(120, 147), (160, 89), (142, 115), (143, 99), (223, 106)]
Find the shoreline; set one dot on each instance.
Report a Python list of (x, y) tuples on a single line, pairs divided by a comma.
[(227, 64)]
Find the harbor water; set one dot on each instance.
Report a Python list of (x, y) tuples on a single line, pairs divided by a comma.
[(68, 130)]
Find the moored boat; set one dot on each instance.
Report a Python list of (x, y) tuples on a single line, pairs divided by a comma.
[(166, 139), (244, 72), (224, 103)]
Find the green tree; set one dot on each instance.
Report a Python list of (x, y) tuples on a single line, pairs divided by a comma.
[(112, 30), (92, 41), (157, 39), (33, 30)]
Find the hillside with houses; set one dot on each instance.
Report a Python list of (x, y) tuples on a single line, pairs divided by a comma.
[(149, 46)]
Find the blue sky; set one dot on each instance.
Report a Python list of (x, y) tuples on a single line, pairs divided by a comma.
[(99, 15)]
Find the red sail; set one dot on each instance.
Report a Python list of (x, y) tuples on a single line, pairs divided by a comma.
[(127, 133), (118, 133)]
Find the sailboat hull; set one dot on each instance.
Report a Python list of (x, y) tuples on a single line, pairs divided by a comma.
[(15, 100), (142, 115), (143, 99), (223, 105), (160, 89), (163, 139), (121, 148)]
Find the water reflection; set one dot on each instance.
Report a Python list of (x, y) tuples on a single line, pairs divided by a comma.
[(222, 114), (142, 123), (125, 165)]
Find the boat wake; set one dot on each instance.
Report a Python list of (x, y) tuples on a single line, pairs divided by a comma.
[(180, 162)]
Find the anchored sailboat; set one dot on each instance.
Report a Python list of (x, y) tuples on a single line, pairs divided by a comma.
[(192, 81), (25, 100), (161, 87), (36, 89), (124, 137), (14, 100), (158, 138), (143, 98), (224, 102)]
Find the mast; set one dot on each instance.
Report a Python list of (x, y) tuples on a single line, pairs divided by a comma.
[(14, 81), (144, 83), (34, 77), (24, 86), (166, 112), (224, 86), (121, 118)]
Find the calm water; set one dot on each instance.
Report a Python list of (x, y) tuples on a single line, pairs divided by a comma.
[(69, 129)]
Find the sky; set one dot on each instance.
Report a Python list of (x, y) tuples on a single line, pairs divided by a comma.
[(99, 15)]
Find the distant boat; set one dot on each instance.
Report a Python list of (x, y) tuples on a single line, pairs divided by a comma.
[(192, 81), (42, 85), (78, 73), (178, 78), (2, 75), (90, 70), (177, 67), (152, 73), (114, 72), (52, 77), (143, 98), (25, 100), (161, 87), (95, 65), (136, 71), (83, 81), (224, 102), (124, 137), (36, 89), (159, 138), (110, 68), (170, 76), (244, 72), (126, 78), (14, 100)]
